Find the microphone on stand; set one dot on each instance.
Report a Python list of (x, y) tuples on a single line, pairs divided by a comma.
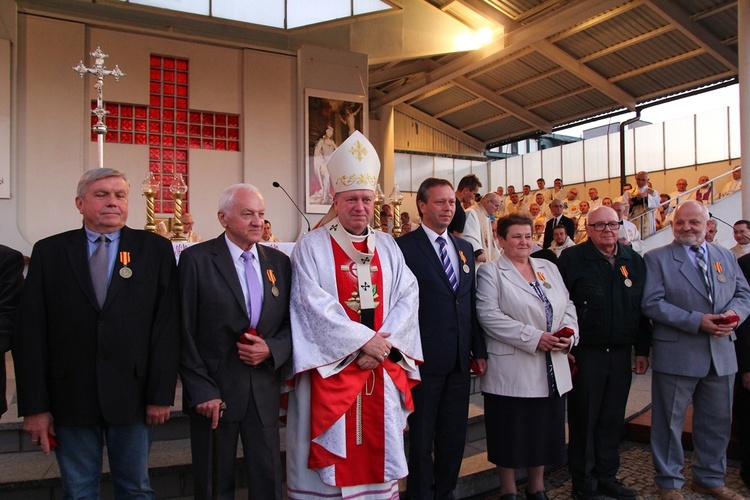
[(723, 222), (277, 185)]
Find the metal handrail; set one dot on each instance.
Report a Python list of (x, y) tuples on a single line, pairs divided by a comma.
[(641, 220)]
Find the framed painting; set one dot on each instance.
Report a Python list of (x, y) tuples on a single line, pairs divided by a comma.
[(330, 117)]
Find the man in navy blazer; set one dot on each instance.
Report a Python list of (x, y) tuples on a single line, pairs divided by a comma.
[(96, 363), (692, 290), (556, 207), (231, 357), (450, 336)]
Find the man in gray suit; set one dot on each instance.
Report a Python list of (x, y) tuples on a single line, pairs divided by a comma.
[(693, 288)]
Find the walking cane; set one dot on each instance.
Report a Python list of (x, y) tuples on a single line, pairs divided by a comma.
[(215, 456)]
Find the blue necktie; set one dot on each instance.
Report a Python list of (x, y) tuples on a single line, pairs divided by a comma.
[(447, 266), (99, 268), (253, 288)]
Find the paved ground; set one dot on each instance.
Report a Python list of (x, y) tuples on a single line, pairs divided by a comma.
[(636, 471)]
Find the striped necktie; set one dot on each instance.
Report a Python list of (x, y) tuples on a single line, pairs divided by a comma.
[(447, 266), (701, 260)]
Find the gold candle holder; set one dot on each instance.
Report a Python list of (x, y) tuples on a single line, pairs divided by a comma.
[(379, 198), (396, 198), (178, 190), (149, 187)]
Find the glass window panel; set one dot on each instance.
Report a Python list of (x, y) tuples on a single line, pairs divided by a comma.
[(614, 154), (497, 174), (572, 163), (191, 6), (712, 136), (443, 169), (551, 165), (460, 169), (679, 142), (402, 172), (479, 168), (629, 151), (514, 173), (304, 12), (596, 158), (421, 168), (532, 169), (649, 148), (250, 11), (366, 6)]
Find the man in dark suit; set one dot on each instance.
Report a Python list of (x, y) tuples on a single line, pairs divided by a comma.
[(11, 280), (97, 346), (444, 267), (693, 290), (556, 207), (236, 337)]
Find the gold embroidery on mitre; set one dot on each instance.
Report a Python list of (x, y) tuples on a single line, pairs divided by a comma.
[(352, 179), (358, 151)]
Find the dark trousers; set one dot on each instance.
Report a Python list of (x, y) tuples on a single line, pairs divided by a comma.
[(262, 457), (437, 426), (596, 413)]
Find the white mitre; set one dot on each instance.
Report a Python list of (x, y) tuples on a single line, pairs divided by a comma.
[(354, 165)]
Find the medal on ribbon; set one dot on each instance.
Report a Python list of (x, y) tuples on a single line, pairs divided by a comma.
[(624, 271), (543, 278), (465, 267), (125, 271), (720, 271), (272, 279)]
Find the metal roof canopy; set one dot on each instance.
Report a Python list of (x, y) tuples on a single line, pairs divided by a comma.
[(556, 62), (561, 62)]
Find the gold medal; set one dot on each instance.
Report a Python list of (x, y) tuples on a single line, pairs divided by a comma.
[(465, 267), (628, 283), (272, 279), (547, 285), (720, 271), (125, 271)]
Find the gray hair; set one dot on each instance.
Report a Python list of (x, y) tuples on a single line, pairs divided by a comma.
[(226, 199), (95, 174)]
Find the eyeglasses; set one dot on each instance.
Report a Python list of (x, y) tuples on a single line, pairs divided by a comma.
[(600, 226)]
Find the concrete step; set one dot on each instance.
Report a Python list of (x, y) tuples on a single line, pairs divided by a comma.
[(27, 473)]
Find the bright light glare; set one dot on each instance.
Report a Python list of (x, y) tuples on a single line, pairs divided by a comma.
[(484, 36)]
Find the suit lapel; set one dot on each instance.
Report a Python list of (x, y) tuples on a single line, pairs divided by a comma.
[(267, 272), (511, 274), (223, 262), (77, 250), (689, 270), (127, 244), (429, 251)]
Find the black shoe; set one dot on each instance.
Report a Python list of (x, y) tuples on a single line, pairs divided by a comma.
[(586, 495), (616, 489), (508, 496), (539, 495)]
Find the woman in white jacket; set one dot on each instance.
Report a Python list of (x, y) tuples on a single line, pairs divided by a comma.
[(521, 303)]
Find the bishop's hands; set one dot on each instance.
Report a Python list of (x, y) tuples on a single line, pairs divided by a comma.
[(374, 352)]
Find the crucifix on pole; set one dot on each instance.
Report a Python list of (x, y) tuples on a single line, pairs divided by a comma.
[(99, 128)]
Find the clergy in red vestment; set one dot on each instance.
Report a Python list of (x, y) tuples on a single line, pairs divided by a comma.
[(356, 345)]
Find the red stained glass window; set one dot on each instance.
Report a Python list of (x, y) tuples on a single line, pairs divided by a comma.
[(140, 112), (168, 128), (111, 122), (140, 138), (233, 133), (168, 89), (181, 116), (208, 131), (221, 120), (233, 146), (221, 132), (167, 207), (182, 129), (155, 74), (154, 87), (181, 142), (234, 120), (169, 102), (154, 153), (182, 90), (168, 154), (169, 63), (182, 154), (182, 168), (208, 119), (140, 125), (126, 124), (154, 140), (126, 111), (168, 167), (154, 127), (154, 100), (195, 130), (208, 144), (168, 115), (221, 145), (126, 137), (112, 109), (154, 114), (154, 166), (195, 142), (168, 141), (168, 76), (182, 64), (195, 117), (111, 136), (182, 103)]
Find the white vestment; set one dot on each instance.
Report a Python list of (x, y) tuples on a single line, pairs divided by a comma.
[(478, 232), (326, 340)]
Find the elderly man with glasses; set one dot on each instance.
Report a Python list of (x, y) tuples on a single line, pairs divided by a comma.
[(605, 280)]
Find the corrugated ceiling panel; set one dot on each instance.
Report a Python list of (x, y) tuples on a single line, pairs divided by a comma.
[(515, 71), (547, 88), (672, 75), (450, 97), (414, 135), (501, 128), (472, 114), (573, 106)]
